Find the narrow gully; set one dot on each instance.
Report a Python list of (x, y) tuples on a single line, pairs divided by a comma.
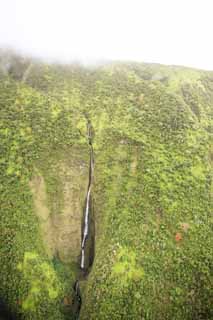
[(88, 230)]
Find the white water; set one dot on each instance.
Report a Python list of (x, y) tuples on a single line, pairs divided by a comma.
[(86, 215), (86, 228)]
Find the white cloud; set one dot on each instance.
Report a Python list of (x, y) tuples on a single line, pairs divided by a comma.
[(165, 31)]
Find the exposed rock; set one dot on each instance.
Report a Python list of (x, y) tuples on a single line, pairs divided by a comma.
[(61, 230)]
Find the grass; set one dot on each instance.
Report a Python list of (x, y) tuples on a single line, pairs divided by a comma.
[(152, 189)]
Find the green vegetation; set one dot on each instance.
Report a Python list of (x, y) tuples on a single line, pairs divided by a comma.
[(152, 190)]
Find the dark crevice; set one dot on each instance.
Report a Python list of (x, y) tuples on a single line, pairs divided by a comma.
[(6, 313), (88, 231)]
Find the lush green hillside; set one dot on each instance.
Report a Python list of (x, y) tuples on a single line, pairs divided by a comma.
[(152, 190)]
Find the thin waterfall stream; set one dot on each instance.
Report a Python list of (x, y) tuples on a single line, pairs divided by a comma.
[(87, 217), (88, 229)]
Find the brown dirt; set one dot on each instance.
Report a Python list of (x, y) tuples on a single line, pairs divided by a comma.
[(61, 231)]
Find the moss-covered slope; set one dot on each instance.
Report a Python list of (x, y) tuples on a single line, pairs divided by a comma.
[(152, 189)]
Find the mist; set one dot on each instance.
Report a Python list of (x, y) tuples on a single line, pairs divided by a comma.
[(161, 31)]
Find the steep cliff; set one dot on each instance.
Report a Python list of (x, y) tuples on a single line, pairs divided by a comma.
[(151, 194)]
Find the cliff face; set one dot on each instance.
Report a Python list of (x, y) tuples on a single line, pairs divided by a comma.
[(60, 209), (152, 189)]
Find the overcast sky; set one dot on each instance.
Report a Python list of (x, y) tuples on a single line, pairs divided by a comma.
[(164, 31)]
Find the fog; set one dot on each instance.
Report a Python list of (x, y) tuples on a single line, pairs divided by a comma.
[(162, 31)]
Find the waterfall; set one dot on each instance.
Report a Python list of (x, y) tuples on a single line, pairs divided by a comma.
[(88, 232), (86, 228), (88, 200)]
